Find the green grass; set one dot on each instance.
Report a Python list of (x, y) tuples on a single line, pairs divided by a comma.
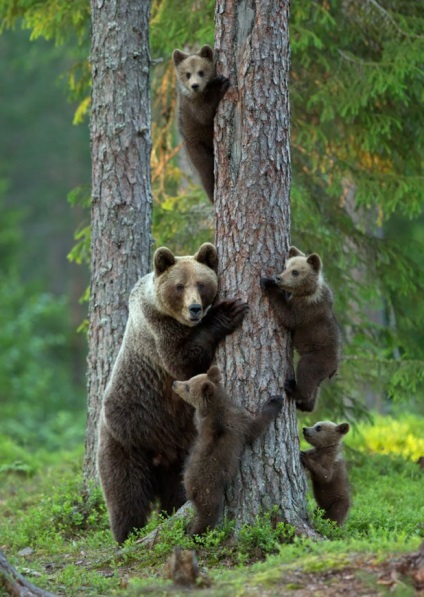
[(43, 506)]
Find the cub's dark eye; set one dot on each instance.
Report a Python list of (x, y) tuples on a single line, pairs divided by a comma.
[(187, 387), (200, 73), (180, 287), (295, 272), (188, 75), (318, 428), (200, 286)]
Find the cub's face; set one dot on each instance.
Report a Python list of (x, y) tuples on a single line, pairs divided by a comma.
[(198, 390), (301, 275), (194, 71), (186, 286), (325, 433)]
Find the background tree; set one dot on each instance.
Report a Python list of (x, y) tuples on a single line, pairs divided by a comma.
[(121, 193), (252, 208)]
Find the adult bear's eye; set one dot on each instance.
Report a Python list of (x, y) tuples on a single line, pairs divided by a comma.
[(180, 287), (200, 73), (188, 75), (200, 286), (295, 272)]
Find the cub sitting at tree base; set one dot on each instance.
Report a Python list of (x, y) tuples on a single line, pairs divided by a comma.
[(199, 93), (303, 302), (223, 430), (327, 468)]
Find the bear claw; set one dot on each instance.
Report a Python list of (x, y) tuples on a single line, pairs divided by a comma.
[(268, 282), (290, 385)]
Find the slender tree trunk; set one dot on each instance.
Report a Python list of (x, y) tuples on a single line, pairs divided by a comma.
[(121, 192), (252, 206)]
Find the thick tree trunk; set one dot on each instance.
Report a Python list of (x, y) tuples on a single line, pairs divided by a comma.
[(15, 584), (252, 207), (121, 192)]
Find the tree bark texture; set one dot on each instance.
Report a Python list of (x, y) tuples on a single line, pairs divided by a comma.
[(15, 584), (252, 209), (121, 191)]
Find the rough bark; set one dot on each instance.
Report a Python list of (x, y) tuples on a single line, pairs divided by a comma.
[(15, 584), (121, 192), (252, 208)]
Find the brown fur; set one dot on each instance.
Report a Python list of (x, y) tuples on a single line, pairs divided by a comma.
[(199, 93), (223, 430), (146, 431), (303, 303), (328, 469)]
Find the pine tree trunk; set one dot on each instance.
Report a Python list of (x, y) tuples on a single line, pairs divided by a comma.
[(121, 192), (252, 207)]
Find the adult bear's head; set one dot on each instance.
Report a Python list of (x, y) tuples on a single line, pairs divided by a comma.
[(186, 286)]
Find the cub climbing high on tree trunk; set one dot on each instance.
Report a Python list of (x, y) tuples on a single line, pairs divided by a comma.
[(199, 93), (303, 303)]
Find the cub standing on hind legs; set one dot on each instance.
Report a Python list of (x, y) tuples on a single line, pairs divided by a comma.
[(223, 430), (327, 468), (199, 93), (304, 304)]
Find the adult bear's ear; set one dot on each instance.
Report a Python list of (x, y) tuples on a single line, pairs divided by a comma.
[(163, 259), (294, 252), (206, 52), (314, 261), (343, 428), (207, 391), (214, 374), (178, 56), (207, 254)]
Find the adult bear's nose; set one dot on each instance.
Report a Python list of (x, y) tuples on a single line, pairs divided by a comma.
[(195, 309)]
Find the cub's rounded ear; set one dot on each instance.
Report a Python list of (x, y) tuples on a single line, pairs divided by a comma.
[(178, 56), (294, 252), (343, 428), (207, 390), (207, 254), (206, 52), (214, 374), (163, 259), (314, 261)]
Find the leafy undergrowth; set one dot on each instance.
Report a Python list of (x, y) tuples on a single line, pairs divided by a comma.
[(58, 536)]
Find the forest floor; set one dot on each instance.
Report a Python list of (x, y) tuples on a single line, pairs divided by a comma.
[(57, 535)]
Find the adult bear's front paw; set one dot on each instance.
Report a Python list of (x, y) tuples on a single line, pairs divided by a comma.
[(228, 314)]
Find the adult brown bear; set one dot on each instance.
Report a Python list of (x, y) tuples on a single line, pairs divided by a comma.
[(146, 430)]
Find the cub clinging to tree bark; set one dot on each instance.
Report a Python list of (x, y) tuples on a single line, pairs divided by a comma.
[(199, 93), (325, 463), (303, 303), (223, 430), (146, 431)]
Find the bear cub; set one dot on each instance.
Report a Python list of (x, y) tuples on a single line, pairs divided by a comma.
[(303, 303), (223, 430), (327, 468), (199, 93)]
